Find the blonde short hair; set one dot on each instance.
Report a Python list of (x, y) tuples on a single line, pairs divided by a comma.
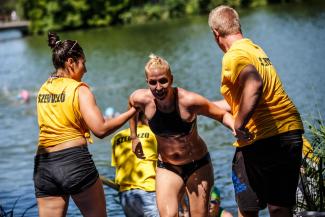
[(157, 62), (225, 20)]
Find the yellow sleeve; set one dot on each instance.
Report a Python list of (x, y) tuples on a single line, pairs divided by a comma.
[(113, 161), (233, 63)]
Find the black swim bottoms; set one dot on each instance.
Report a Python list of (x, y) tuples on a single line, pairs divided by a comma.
[(186, 170), (65, 172), (267, 171)]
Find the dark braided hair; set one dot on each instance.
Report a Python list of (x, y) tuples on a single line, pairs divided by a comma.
[(62, 50)]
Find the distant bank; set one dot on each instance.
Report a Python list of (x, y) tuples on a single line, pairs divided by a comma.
[(16, 25)]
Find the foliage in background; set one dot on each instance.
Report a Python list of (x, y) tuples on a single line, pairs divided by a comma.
[(6, 6), (311, 191), (57, 15)]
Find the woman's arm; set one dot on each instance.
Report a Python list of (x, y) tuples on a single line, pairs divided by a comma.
[(135, 101), (93, 117), (223, 105), (207, 108)]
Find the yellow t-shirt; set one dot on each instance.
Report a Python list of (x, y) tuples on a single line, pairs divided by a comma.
[(275, 112), (59, 117), (131, 172)]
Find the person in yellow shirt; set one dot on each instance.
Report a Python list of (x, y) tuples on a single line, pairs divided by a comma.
[(270, 160), (136, 177), (67, 112)]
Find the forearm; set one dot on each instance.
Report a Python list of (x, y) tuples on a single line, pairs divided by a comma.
[(251, 85), (113, 124), (223, 105), (133, 126), (228, 121), (212, 110), (136, 143), (133, 121), (93, 117), (248, 103)]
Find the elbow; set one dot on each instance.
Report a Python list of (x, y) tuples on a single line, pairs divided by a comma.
[(101, 130), (101, 134)]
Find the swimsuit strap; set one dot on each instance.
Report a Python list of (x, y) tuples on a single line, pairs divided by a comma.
[(170, 123)]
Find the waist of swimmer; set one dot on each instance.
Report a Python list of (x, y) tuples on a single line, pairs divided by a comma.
[(62, 146)]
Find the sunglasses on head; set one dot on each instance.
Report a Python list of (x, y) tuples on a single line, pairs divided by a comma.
[(160, 81)]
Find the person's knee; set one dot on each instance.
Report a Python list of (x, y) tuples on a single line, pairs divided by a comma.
[(167, 211)]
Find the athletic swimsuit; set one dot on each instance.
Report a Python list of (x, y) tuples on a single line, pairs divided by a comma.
[(186, 170), (171, 124)]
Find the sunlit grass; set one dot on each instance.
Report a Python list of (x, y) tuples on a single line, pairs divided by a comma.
[(310, 194)]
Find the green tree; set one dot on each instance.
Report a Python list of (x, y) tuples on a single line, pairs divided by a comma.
[(54, 15), (311, 191), (46, 15)]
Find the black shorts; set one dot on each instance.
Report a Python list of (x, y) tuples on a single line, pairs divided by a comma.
[(267, 172), (66, 172)]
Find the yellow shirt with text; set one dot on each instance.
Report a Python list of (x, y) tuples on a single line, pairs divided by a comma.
[(132, 172), (275, 112), (59, 117)]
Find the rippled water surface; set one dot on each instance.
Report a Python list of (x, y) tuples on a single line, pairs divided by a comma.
[(292, 36)]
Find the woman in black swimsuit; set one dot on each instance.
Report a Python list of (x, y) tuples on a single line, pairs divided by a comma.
[(184, 161)]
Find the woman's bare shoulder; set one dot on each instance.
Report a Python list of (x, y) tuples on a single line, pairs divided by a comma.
[(141, 95), (187, 98)]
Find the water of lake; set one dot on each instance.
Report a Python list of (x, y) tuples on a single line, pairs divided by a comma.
[(292, 36)]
